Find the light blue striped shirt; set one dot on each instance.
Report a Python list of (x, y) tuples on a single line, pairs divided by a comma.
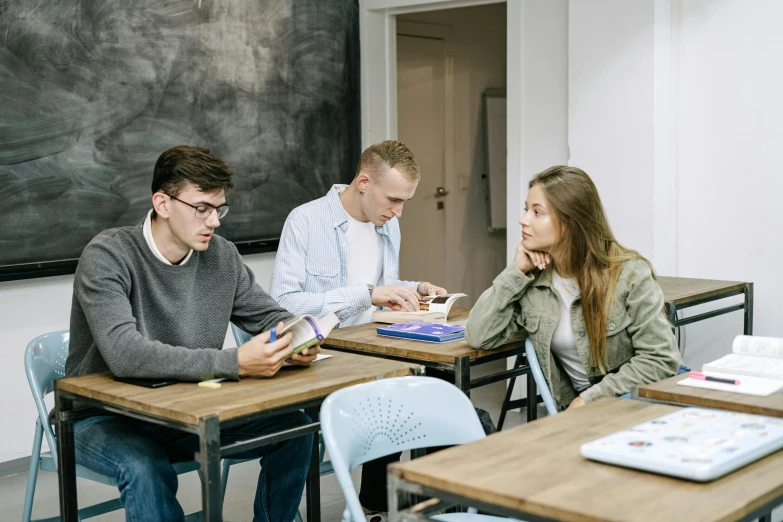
[(311, 273)]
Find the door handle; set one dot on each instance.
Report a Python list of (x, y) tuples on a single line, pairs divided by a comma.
[(440, 192)]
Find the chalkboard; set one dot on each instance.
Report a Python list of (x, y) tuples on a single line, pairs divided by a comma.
[(92, 92), (495, 157)]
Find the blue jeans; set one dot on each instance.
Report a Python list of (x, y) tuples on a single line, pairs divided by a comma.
[(139, 455)]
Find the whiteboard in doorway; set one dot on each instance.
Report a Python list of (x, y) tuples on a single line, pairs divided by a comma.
[(494, 109)]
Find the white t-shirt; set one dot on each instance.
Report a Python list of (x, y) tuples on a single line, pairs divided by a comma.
[(365, 261), (563, 343)]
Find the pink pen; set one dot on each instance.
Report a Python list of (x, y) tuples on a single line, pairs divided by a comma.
[(703, 377)]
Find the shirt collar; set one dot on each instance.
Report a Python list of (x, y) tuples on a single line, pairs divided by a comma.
[(339, 215), (147, 230)]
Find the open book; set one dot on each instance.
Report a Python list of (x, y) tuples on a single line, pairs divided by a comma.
[(309, 330), (434, 309), (757, 362)]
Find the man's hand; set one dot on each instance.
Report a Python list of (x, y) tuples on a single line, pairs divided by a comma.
[(260, 358), (430, 289), (305, 357), (578, 402), (396, 297), (526, 260)]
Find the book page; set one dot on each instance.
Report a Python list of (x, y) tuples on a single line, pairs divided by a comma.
[(736, 364), (392, 316), (327, 323), (755, 345), (306, 330), (439, 303), (304, 335)]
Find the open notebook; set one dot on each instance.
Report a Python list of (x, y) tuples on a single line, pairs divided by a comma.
[(757, 362)]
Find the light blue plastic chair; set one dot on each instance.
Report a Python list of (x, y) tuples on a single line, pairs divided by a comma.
[(44, 361), (538, 376), (543, 387), (371, 420)]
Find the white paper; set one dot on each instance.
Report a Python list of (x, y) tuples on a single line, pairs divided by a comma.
[(747, 385), (750, 365), (755, 345), (318, 357)]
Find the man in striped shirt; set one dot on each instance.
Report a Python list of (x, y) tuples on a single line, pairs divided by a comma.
[(340, 253)]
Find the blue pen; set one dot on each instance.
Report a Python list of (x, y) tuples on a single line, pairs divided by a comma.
[(273, 335)]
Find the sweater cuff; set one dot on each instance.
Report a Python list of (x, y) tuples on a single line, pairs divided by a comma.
[(592, 393), (227, 363)]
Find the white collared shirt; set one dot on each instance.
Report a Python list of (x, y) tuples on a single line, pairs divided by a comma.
[(147, 229)]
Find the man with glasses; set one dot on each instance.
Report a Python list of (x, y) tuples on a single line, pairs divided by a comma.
[(154, 301)]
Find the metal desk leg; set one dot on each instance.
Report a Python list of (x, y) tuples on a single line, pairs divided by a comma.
[(313, 486), (208, 457), (672, 309), (66, 468), (504, 407), (532, 398), (748, 309), (462, 374)]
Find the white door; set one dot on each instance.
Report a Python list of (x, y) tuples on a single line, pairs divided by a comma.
[(421, 66)]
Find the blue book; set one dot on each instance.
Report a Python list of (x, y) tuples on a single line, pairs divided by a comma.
[(423, 331)]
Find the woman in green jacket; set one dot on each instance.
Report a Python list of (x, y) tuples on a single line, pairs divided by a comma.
[(592, 308)]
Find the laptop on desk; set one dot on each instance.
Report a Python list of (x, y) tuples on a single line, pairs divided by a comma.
[(692, 443)]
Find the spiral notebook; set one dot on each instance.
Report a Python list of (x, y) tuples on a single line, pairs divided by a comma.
[(691, 443), (757, 362)]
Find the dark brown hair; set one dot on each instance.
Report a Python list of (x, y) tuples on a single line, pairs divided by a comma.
[(377, 159), (587, 248), (181, 165)]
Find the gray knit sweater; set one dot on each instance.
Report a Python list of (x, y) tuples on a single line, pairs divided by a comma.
[(138, 317)]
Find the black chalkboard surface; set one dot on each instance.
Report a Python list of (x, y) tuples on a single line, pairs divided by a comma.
[(91, 92)]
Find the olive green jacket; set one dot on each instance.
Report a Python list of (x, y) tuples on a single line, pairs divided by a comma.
[(640, 346)]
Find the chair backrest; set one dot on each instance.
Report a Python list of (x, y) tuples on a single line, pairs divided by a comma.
[(240, 336), (363, 422), (44, 361), (538, 376)]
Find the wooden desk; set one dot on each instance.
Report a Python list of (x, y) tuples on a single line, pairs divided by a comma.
[(204, 411), (667, 391), (452, 358), (681, 292), (535, 472)]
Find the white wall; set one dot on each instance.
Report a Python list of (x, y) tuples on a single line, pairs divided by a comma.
[(696, 82), (610, 96), (730, 175), (29, 308), (537, 107)]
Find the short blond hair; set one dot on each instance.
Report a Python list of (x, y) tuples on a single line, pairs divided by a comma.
[(377, 159)]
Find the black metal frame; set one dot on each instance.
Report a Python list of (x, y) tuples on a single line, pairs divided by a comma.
[(209, 454), (459, 374), (747, 305)]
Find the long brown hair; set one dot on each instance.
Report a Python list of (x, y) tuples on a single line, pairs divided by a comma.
[(587, 248)]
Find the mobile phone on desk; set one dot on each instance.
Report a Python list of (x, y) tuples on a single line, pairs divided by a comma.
[(147, 383)]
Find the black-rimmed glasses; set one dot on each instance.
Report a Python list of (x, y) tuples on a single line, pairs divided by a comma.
[(205, 210)]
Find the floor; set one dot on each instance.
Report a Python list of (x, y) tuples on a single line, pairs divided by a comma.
[(241, 485)]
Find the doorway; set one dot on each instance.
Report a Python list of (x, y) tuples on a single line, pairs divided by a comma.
[(446, 60)]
